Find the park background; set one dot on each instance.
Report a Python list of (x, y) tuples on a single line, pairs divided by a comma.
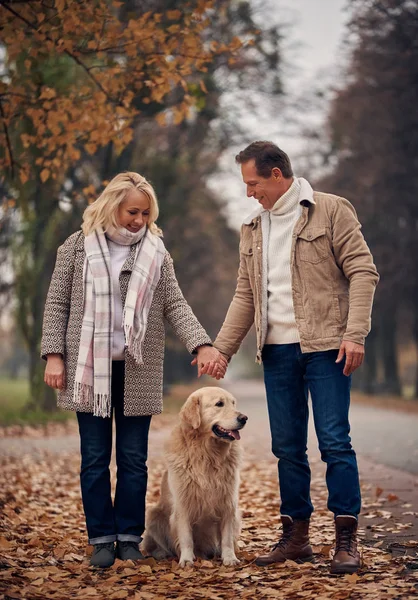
[(173, 89), (86, 91)]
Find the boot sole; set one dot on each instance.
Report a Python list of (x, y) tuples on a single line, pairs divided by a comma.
[(280, 562), (341, 571), (306, 559), (107, 566)]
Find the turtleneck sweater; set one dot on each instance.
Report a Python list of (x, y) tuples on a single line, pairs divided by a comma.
[(118, 254), (281, 328)]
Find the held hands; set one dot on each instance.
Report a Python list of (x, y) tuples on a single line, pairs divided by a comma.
[(210, 361), (55, 371), (354, 354)]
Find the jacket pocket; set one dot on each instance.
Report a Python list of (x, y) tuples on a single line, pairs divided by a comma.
[(341, 303), (247, 248), (313, 245)]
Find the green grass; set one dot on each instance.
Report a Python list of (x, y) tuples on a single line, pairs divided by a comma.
[(14, 397)]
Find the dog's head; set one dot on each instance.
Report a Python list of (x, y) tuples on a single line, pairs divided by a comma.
[(212, 411)]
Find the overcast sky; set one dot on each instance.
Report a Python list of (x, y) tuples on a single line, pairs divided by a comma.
[(312, 53)]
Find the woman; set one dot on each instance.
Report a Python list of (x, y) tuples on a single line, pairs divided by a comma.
[(103, 340)]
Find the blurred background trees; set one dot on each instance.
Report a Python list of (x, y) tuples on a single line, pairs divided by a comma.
[(168, 88), (373, 130), (92, 89)]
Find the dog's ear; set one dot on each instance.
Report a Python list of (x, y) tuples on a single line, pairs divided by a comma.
[(190, 412)]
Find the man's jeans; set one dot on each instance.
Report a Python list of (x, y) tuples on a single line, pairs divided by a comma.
[(289, 375), (125, 520)]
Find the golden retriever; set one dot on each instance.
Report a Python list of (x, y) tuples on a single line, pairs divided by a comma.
[(197, 514)]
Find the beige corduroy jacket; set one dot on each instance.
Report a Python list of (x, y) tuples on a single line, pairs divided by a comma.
[(63, 319), (333, 279)]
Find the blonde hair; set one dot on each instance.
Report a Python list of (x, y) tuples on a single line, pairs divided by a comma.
[(102, 212)]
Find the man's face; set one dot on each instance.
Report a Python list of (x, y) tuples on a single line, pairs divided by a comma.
[(265, 190)]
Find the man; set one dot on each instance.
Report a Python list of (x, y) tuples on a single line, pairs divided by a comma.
[(306, 280)]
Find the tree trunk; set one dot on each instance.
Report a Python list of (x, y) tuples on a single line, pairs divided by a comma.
[(415, 337), (365, 378), (41, 395), (388, 325)]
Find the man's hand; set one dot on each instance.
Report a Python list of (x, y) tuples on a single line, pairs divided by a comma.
[(55, 371), (210, 361), (354, 354)]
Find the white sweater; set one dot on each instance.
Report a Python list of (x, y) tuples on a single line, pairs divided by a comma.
[(281, 324), (118, 255)]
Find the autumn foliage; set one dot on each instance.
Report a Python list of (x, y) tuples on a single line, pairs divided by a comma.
[(45, 554), (78, 73)]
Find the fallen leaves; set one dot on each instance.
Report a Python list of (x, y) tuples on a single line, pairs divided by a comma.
[(43, 544)]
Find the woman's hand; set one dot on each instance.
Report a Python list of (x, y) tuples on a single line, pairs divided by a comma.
[(210, 361), (55, 371)]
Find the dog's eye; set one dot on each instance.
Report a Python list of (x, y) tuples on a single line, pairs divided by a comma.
[(219, 403)]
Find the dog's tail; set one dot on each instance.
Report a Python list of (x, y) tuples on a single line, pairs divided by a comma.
[(157, 539)]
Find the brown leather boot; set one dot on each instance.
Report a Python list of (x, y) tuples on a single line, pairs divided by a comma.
[(347, 557), (293, 545)]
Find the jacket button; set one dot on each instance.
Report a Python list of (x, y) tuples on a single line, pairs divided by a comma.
[(250, 251), (309, 236)]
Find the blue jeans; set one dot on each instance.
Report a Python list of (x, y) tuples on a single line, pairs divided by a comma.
[(289, 375), (125, 519)]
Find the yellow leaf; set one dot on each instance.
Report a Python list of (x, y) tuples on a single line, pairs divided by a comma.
[(167, 577), (47, 93), (207, 564), (352, 578), (173, 15), (90, 591), (45, 173), (145, 569), (60, 5), (91, 148), (120, 594), (23, 176), (4, 543)]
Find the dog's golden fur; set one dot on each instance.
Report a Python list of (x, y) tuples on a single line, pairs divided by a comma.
[(197, 514)]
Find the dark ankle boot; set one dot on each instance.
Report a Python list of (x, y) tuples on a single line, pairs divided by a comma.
[(128, 551), (103, 555), (293, 545), (347, 557)]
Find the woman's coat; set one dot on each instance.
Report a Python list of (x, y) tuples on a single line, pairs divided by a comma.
[(64, 315)]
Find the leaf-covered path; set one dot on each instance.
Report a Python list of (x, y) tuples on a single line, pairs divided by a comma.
[(44, 550)]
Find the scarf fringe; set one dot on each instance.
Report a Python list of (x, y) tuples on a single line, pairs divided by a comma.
[(102, 406), (84, 397), (134, 344)]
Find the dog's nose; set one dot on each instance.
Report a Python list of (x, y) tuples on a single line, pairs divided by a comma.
[(242, 419)]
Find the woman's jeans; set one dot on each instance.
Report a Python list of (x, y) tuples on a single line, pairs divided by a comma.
[(125, 519), (289, 375)]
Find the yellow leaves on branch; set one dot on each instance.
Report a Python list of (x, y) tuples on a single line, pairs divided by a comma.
[(75, 69)]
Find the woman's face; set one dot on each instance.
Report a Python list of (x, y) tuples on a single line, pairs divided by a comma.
[(133, 212)]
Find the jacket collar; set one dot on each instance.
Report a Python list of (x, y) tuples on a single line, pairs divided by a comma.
[(305, 195)]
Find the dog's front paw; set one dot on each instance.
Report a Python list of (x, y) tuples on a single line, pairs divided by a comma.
[(230, 560), (186, 560)]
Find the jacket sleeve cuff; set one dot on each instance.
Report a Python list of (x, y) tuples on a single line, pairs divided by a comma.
[(194, 351), (357, 339)]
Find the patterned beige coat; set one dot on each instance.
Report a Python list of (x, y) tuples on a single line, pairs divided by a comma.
[(63, 319)]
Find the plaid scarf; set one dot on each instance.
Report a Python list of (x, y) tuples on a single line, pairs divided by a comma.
[(94, 364)]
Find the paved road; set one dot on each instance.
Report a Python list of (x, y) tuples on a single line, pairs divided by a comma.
[(386, 443), (384, 436)]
